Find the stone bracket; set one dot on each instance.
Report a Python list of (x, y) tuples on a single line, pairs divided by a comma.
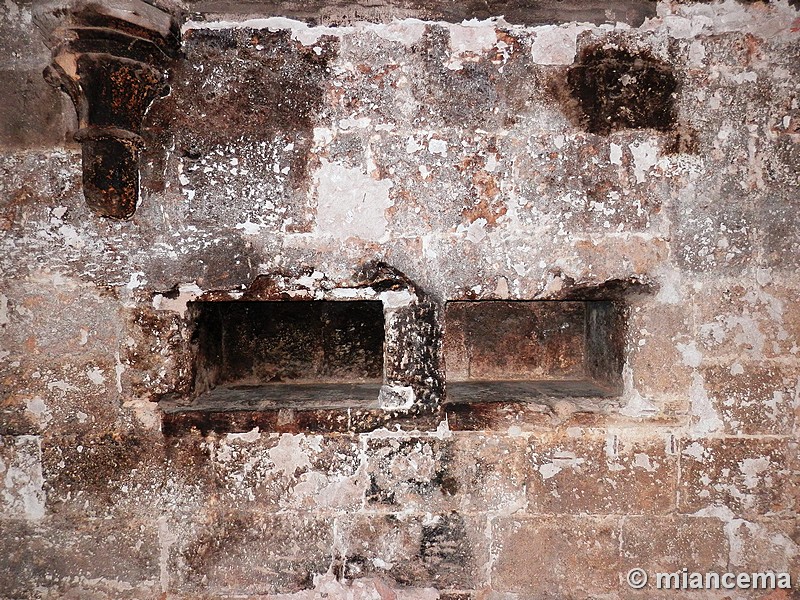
[(111, 58)]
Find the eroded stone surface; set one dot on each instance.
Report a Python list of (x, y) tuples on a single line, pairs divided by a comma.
[(743, 477), (86, 558), (611, 475), (537, 556), (442, 550), (219, 552), (452, 154)]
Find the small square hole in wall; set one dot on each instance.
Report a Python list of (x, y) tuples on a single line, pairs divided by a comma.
[(277, 354), (524, 350)]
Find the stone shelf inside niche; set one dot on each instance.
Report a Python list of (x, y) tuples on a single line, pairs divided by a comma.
[(272, 355), (533, 351), (527, 391), (277, 396)]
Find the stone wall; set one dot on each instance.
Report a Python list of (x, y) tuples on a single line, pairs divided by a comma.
[(653, 164)]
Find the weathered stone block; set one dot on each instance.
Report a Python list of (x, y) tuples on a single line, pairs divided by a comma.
[(743, 477), (37, 189), (614, 475), (656, 333), (668, 544), (583, 184), (104, 473), (464, 472), (62, 361), (32, 114), (617, 88), (745, 320), (410, 472), (443, 550), (82, 320), (754, 399), (70, 397), (489, 472), (80, 558), (705, 545), (21, 45), (779, 223), (764, 545), (21, 495), (547, 558), (713, 237), (468, 168), (259, 90), (231, 552), (279, 472)]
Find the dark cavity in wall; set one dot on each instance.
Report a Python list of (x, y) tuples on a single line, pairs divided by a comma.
[(614, 88), (249, 352), (518, 350)]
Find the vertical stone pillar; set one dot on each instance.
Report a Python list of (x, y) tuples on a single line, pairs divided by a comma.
[(111, 58)]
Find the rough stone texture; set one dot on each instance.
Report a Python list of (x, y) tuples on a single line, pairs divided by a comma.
[(233, 552), (33, 113), (441, 550), (288, 472), (415, 163), (615, 475), (505, 340), (516, 11), (546, 557), (80, 558), (668, 543), (743, 477)]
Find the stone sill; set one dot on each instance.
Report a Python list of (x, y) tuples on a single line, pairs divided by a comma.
[(354, 407)]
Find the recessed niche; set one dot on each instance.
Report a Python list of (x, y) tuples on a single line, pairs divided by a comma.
[(277, 354), (524, 350)]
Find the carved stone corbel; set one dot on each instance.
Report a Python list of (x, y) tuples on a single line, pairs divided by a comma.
[(110, 57)]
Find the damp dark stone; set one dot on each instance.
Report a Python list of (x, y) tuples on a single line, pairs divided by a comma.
[(446, 551), (377, 495), (615, 89), (254, 343)]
